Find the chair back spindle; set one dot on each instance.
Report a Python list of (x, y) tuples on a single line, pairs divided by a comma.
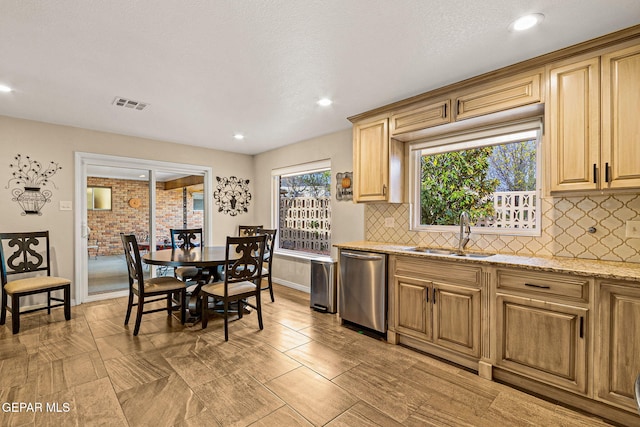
[(186, 238), (248, 230)]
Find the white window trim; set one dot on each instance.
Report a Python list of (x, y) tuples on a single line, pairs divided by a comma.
[(310, 167), (446, 143)]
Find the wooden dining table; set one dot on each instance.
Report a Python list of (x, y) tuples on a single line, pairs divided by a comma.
[(205, 257)]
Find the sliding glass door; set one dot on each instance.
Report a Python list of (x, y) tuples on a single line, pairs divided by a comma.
[(123, 195)]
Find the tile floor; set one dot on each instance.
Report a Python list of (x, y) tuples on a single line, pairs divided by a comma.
[(302, 369)]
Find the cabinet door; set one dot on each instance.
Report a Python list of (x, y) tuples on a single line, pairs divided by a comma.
[(620, 124), (413, 309), (456, 318), (371, 161), (618, 353), (543, 340), (574, 118), (424, 117), (378, 165), (511, 93)]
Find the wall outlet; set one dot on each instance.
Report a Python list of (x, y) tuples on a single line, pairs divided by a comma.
[(633, 229), (389, 222)]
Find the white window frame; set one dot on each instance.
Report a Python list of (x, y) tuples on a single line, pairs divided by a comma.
[(493, 135), (316, 166)]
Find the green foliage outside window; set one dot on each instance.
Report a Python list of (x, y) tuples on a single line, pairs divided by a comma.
[(455, 182)]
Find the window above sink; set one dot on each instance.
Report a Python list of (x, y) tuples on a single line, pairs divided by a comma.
[(492, 173)]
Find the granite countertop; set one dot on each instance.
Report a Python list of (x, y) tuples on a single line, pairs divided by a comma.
[(584, 267)]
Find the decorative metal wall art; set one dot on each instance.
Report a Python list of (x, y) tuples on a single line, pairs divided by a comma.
[(232, 195), (29, 176), (344, 186)]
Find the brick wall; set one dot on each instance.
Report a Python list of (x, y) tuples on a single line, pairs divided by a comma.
[(106, 226)]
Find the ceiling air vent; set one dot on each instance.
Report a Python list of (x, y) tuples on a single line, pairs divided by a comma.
[(128, 103)]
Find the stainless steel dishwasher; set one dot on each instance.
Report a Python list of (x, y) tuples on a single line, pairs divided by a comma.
[(362, 295)]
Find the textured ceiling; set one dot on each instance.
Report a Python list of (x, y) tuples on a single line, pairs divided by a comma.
[(210, 68)]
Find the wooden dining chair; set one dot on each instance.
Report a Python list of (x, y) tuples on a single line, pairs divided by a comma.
[(242, 270), (267, 265), (31, 255), (187, 238), (151, 290), (248, 230)]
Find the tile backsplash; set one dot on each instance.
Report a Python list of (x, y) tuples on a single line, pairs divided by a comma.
[(565, 225)]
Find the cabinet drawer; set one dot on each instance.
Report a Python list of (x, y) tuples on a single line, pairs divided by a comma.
[(564, 286), (434, 114), (448, 272), (510, 94)]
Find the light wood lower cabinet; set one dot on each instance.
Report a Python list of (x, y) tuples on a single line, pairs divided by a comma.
[(618, 351), (543, 340), (542, 323), (442, 312)]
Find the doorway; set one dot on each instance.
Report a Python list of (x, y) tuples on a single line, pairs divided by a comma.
[(146, 198)]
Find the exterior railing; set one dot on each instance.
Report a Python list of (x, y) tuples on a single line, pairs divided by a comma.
[(512, 209)]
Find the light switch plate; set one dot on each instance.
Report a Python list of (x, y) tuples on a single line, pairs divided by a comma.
[(633, 229), (65, 205), (389, 222)]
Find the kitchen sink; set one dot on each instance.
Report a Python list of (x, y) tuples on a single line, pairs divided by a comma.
[(441, 251), (436, 251), (474, 255)]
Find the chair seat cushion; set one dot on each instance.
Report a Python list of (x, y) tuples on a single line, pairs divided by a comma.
[(161, 284), (184, 273), (34, 284), (217, 289)]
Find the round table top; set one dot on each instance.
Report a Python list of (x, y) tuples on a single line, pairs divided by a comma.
[(197, 257)]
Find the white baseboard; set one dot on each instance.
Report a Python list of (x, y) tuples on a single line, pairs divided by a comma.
[(292, 285)]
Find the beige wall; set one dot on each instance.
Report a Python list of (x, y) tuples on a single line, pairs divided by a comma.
[(347, 218), (46, 142)]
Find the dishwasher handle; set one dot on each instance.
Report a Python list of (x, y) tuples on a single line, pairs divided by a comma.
[(362, 257)]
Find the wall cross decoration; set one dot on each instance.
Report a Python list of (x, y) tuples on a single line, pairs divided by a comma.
[(232, 195), (28, 177)]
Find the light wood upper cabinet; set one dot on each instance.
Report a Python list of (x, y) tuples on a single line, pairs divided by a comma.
[(574, 125), (594, 134), (503, 95), (620, 124), (617, 354), (378, 163), (433, 114)]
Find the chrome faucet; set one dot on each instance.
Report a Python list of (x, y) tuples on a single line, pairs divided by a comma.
[(465, 227)]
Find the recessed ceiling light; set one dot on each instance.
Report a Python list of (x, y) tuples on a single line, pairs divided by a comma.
[(4, 88), (527, 21), (239, 136), (142, 176), (325, 102)]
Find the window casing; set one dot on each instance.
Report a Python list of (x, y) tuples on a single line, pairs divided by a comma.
[(301, 208), (495, 207)]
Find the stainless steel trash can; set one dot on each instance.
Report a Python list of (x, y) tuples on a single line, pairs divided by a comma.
[(323, 285)]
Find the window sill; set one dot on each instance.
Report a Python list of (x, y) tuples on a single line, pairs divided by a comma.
[(299, 255)]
